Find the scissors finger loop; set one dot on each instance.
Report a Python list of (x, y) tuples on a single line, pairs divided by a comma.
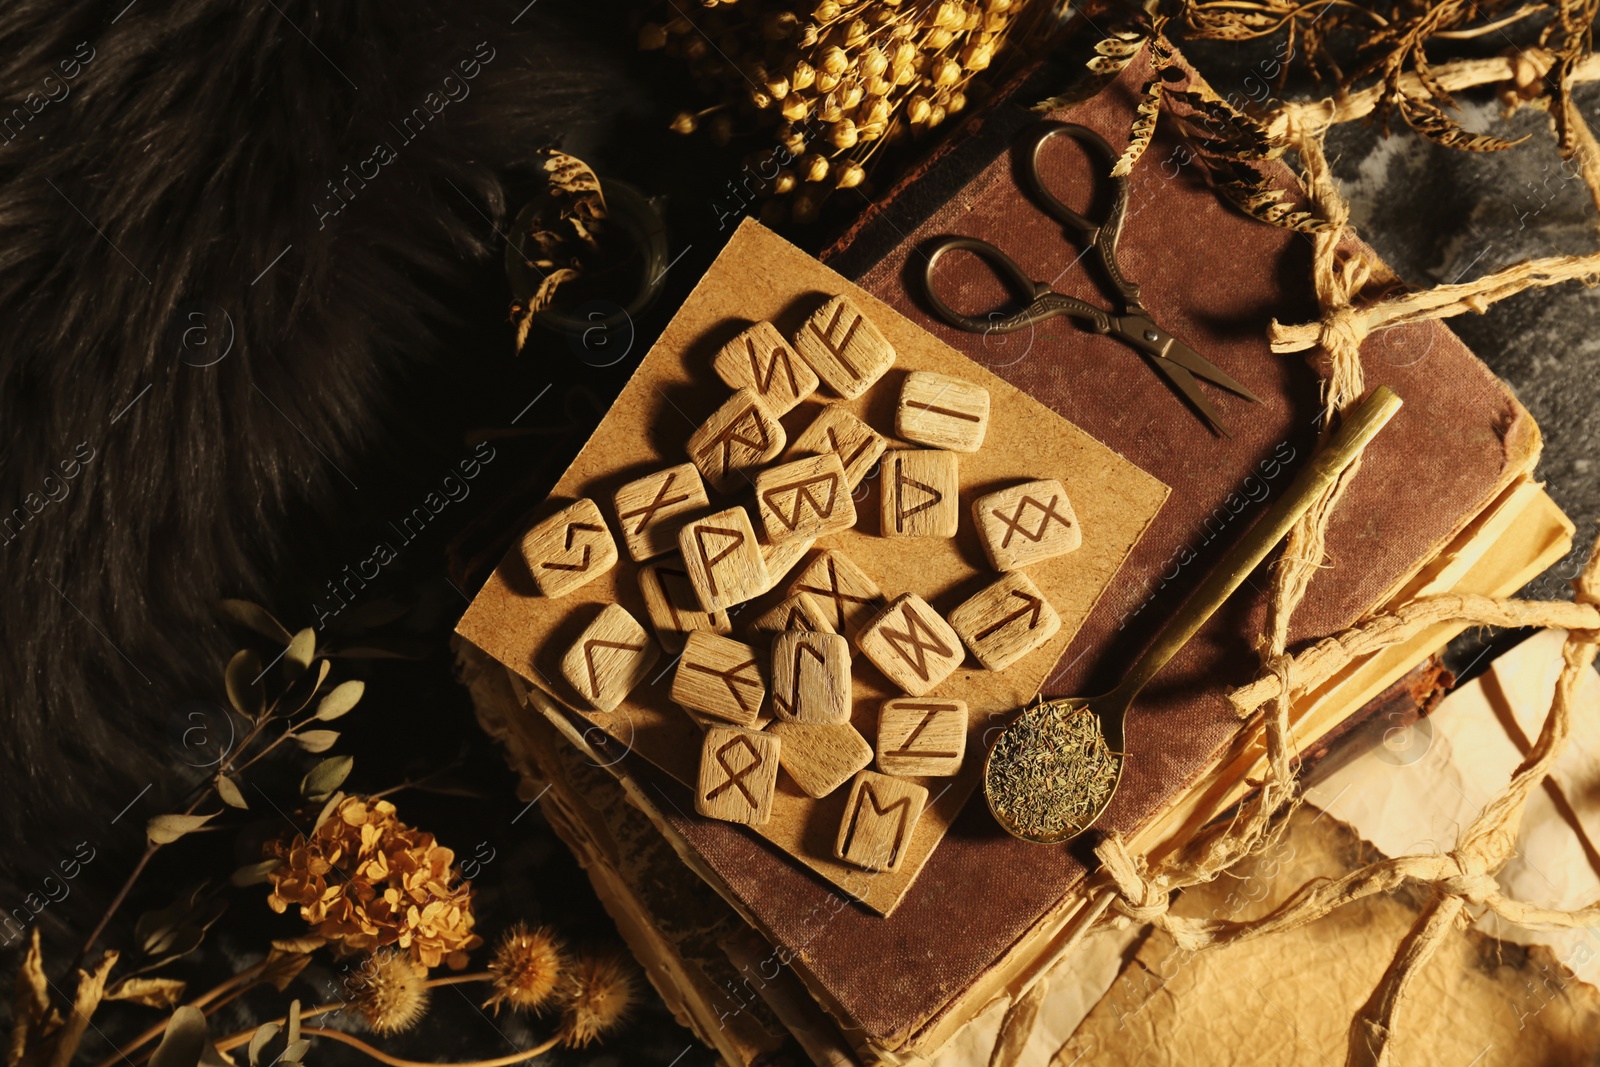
[(1002, 264)]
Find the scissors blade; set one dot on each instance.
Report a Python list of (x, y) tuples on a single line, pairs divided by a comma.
[(1181, 380), (1146, 336), (1196, 364)]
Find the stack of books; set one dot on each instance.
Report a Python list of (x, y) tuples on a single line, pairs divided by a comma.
[(759, 953)]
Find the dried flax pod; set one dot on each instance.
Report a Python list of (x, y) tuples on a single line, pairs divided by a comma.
[(829, 83)]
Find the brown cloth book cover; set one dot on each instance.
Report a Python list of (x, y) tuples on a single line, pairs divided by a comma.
[(1214, 278)]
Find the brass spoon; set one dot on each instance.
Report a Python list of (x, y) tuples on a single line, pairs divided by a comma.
[(1006, 761)]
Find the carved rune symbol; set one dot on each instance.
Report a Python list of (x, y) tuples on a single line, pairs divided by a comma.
[(687, 588), (789, 703), (583, 565), (746, 429), (735, 777), (901, 483), (933, 409), (900, 808), (733, 678), (588, 657), (906, 748), (806, 494), (709, 561), (837, 349), (834, 593), (1030, 603), (661, 501), (1014, 522), (763, 376), (919, 638), (838, 449)]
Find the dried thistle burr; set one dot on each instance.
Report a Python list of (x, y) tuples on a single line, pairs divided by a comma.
[(829, 81)]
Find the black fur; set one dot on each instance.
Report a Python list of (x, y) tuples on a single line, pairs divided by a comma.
[(154, 166)]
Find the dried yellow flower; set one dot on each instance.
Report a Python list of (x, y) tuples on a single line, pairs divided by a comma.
[(917, 110), (850, 176), (390, 884), (946, 72), (803, 76), (873, 63), (842, 134), (813, 166), (598, 994), (389, 992), (686, 122), (527, 967), (976, 56), (834, 61)]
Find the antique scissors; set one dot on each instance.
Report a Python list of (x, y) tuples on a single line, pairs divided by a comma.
[(1132, 324)]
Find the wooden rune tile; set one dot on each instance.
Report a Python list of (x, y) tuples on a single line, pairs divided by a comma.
[(721, 678), (878, 820), (1005, 621), (673, 606), (846, 593), (811, 677), (568, 549), (760, 359), (723, 559), (610, 657), (654, 508), (845, 349), (919, 494), (739, 436), (942, 412), (738, 773), (798, 612), (1026, 523), (782, 558), (913, 647), (821, 757), (922, 737), (835, 430), (808, 498)]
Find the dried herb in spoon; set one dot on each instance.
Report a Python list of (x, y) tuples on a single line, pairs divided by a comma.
[(1051, 771)]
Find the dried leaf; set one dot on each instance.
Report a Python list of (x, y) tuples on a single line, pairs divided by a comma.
[(340, 700), (284, 967), (228, 790), (258, 1041), (85, 1002), (255, 617), (302, 646), (32, 1018), (1144, 127), (184, 1044), (1115, 52), (165, 829), (303, 688), (327, 810), (243, 682), (1255, 194), (151, 992), (253, 873), (316, 740), (545, 295), (325, 777), (571, 175), (300, 945)]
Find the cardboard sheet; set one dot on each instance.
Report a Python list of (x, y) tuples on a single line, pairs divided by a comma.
[(760, 276)]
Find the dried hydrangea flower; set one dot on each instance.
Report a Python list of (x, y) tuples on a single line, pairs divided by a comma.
[(366, 880)]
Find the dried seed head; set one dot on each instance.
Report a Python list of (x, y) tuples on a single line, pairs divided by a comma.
[(527, 967), (391, 994), (795, 107), (870, 131), (813, 166), (877, 87), (829, 110), (842, 134), (958, 101), (778, 87), (936, 115), (686, 122), (835, 60), (598, 994), (793, 140), (946, 72), (948, 15), (976, 56), (850, 95), (874, 109), (807, 35), (827, 83), (850, 176), (996, 22), (903, 55), (917, 110), (855, 34), (971, 18), (784, 182), (806, 205), (803, 75), (652, 35), (873, 63), (825, 11), (777, 25), (938, 38), (760, 98)]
